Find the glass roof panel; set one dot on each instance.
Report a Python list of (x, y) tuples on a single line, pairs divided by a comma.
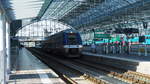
[(68, 7), (101, 10), (30, 8), (53, 6), (132, 1), (59, 8)]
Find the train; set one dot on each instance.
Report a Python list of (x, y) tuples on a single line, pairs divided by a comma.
[(67, 43)]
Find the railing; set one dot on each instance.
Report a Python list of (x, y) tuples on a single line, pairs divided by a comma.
[(134, 49)]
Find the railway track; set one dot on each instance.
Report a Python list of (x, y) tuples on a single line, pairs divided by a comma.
[(68, 74), (94, 72), (88, 74), (100, 74), (131, 77)]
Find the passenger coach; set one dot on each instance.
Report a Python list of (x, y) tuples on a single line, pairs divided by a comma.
[(67, 43)]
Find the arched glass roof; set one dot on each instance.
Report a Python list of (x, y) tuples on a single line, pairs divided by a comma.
[(98, 12), (59, 8), (41, 29), (77, 13)]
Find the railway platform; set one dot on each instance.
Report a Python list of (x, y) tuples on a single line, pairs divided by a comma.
[(124, 61), (27, 69)]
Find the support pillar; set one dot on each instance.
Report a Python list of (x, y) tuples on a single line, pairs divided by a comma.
[(8, 46), (2, 49)]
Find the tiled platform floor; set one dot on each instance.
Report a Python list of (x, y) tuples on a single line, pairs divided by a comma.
[(30, 70)]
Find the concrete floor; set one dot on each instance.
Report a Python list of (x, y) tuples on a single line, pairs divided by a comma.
[(30, 70), (129, 62)]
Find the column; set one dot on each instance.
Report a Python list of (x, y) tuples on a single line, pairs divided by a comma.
[(2, 49), (8, 46)]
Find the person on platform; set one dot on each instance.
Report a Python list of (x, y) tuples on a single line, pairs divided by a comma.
[(93, 47)]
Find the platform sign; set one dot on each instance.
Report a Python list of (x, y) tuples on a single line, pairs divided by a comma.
[(102, 36), (114, 39)]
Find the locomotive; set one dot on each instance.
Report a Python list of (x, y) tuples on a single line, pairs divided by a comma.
[(67, 43)]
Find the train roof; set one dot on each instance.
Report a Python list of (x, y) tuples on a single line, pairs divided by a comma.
[(70, 30), (64, 31)]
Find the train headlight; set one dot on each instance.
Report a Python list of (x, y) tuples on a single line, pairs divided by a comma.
[(65, 46), (80, 46)]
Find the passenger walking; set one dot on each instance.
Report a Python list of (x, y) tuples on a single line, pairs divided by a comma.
[(93, 47)]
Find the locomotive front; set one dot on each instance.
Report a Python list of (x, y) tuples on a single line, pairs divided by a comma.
[(72, 43)]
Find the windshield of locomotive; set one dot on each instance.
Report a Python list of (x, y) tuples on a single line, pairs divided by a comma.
[(72, 39)]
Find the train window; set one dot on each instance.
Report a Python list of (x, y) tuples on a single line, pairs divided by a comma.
[(71, 35), (72, 39)]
